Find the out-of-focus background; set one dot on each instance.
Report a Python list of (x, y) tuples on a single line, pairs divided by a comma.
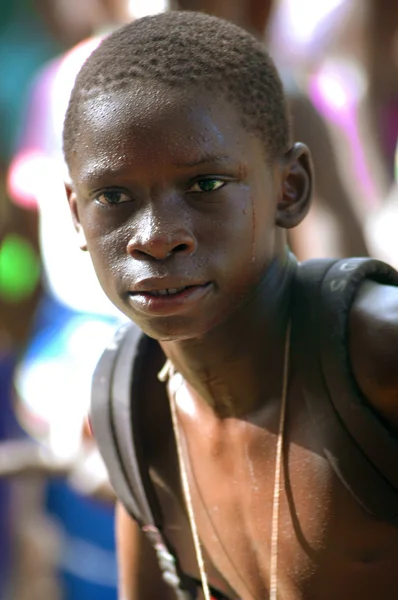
[(339, 63)]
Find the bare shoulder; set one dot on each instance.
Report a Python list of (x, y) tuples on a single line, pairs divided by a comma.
[(373, 347)]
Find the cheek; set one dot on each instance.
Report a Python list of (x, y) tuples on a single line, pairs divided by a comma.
[(243, 247), (262, 207), (105, 243), (257, 251), (263, 228), (100, 225), (248, 233)]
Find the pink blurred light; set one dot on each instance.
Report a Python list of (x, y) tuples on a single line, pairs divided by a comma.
[(337, 101), (25, 177)]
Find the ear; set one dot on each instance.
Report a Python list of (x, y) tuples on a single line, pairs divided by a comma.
[(72, 200), (296, 187)]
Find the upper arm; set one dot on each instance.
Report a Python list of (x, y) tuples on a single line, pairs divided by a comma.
[(139, 572), (373, 347)]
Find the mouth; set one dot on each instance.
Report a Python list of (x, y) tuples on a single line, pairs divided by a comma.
[(168, 291), (168, 301)]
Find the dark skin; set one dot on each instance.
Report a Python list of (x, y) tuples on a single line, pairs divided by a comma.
[(170, 190)]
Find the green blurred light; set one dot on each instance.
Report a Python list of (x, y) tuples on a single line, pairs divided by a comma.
[(19, 269)]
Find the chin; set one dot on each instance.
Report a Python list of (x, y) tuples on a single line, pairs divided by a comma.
[(173, 329)]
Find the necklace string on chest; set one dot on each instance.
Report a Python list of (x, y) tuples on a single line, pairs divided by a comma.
[(169, 373)]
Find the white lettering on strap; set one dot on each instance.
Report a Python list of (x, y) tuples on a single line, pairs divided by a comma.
[(338, 285), (349, 266)]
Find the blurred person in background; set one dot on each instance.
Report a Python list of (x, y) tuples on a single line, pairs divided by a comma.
[(68, 333), (384, 224), (381, 109), (25, 45), (347, 65)]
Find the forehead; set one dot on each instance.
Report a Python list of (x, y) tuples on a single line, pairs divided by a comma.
[(159, 125)]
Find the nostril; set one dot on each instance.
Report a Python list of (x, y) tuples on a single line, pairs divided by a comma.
[(181, 248), (136, 253), (158, 251)]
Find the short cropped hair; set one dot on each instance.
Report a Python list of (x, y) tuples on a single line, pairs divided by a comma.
[(182, 50)]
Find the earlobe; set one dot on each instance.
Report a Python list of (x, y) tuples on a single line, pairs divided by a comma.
[(296, 188), (72, 200)]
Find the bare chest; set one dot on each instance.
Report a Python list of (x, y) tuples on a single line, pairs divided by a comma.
[(328, 547)]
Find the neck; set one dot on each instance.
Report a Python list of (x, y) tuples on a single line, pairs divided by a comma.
[(236, 367)]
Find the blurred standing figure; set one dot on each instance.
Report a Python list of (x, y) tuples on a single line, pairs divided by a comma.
[(70, 329), (332, 227), (381, 62), (349, 69), (381, 110), (384, 225)]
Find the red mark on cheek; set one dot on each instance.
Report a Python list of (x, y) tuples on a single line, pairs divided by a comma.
[(242, 171)]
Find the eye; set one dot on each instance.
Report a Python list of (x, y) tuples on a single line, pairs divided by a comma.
[(210, 184), (112, 197)]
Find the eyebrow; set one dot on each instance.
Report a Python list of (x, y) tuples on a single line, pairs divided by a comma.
[(93, 173), (202, 160)]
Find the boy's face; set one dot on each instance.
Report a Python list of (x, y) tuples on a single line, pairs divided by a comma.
[(176, 204)]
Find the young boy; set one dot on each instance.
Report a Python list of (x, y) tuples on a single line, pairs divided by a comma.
[(183, 182)]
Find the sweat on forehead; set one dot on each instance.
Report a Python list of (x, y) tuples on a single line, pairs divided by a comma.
[(182, 50)]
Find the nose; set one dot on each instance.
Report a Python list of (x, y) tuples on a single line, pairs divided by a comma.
[(160, 238)]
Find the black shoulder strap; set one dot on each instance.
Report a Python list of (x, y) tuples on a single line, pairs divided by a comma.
[(116, 429), (367, 429), (360, 448)]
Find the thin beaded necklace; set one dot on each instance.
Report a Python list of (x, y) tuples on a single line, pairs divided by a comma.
[(175, 381)]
